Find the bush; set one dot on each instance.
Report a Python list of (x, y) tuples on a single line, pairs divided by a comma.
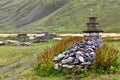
[(105, 59)]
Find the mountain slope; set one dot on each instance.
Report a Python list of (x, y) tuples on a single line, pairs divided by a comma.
[(58, 15)]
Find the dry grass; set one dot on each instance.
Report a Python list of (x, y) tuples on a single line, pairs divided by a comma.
[(46, 57), (106, 58)]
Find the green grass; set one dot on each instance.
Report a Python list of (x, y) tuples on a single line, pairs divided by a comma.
[(30, 73), (9, 54), (95, 76)]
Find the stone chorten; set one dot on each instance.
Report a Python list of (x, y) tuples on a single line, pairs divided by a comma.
[(93, 29)]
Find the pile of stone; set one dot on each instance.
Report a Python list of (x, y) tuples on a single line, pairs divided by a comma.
[(79, 55), (22, 43)]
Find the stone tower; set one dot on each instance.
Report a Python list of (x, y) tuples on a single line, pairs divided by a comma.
[(92, 25), (93, 29)]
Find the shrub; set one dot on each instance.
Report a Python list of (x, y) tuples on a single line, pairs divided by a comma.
[(106, 59)]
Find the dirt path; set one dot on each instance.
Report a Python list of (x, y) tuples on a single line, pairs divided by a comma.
[(6, 68), (69, 34), (18, 66), (26, 66), (103, 35)]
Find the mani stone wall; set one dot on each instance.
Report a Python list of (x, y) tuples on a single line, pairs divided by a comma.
[(79, 55)]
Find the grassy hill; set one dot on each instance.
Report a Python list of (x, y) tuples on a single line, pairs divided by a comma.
[(60, 16)]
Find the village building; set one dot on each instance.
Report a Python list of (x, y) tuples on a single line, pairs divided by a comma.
[(22, 37), (41, 34)]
